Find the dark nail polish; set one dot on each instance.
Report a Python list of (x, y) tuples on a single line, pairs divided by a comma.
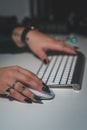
[(45, 61), (45, 88), (76, 47), (37, 98), (11, 98), (28, 100)]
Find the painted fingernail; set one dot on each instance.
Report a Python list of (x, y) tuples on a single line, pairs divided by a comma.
[(76, 47), (45, 61), (11, 98), (37, 98), (28, 100), (45, 88)]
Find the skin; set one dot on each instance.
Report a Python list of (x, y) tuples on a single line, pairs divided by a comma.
[(24, 77)]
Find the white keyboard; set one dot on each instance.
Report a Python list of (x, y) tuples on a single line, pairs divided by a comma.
[(61, 70)]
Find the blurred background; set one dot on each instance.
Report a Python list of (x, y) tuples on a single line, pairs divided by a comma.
[(50, 16)]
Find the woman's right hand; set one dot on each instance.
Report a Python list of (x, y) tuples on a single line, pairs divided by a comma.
[(22, 79)]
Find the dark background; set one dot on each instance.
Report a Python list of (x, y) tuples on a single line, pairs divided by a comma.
[(59, 16), (50, 16)]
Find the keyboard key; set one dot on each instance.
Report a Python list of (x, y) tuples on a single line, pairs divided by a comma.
[(60, 70)]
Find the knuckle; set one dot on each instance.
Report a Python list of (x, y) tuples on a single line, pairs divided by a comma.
[(27, 79), (31, 74)]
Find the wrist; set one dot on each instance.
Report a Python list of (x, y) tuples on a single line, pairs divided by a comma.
[(27, 30)]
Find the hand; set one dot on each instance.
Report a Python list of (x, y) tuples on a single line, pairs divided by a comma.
[(40, 43), (23, 79)]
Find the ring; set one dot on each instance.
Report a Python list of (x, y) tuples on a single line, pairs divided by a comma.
[(8, 93), (22, 88), (13, 84)]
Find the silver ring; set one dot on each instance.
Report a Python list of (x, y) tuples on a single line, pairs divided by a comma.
[(13, 84), (23, 88), (8, 93)]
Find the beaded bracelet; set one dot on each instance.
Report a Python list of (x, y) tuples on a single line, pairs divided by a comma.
[(25, 31)]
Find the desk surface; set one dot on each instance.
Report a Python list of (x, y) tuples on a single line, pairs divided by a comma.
[(67, 111)]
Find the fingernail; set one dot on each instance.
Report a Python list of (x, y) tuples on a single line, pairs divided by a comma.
[(76, 47), (45, 88), (11, 98), (45, 61), (37, 98), (28, 100)]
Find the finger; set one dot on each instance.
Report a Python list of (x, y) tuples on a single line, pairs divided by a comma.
[(28, 81), (26, 92), (63, 47), (42, 55), (17, 96), (29, 74), (13, 94), (61, 39), (12, 75), (25, 76)]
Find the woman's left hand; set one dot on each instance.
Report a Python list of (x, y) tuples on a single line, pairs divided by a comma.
[(40, 43)]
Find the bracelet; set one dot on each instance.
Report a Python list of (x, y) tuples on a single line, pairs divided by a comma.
[(25, 31)]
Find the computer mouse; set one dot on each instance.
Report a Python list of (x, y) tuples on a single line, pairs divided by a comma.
[(43, 96)]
